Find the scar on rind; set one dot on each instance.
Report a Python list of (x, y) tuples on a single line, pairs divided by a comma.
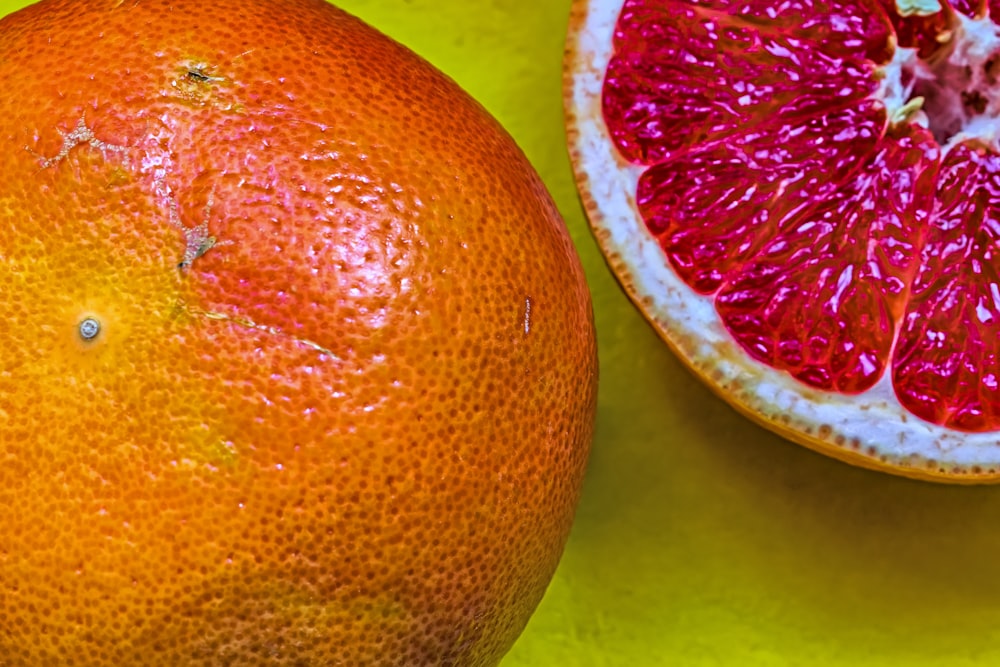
[(273, 331), (197, 240), (78, 136)]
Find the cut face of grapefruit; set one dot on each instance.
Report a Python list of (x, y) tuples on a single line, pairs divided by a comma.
[(804, 200)]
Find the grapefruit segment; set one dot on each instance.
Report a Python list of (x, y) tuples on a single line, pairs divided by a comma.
[(822, 299), (713, 207), (947, 362), (685, 74), (846, 27)]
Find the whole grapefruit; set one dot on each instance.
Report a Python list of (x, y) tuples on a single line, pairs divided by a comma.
[(298, 362)]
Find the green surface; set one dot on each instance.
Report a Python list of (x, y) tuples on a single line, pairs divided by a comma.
[(701, 539)]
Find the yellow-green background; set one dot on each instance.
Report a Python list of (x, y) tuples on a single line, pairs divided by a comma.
[(701, 539)]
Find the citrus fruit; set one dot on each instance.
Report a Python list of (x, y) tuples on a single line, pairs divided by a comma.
[(804, 201), (298, 363)]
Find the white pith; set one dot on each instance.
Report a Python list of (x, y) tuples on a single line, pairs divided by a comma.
[(872, 425)]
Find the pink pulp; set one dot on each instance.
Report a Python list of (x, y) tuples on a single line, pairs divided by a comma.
[(829, 172)]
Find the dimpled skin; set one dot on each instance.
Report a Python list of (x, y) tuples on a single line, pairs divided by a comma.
[(339, 407)]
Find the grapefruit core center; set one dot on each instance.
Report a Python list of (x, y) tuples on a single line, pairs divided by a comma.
[(951, 87)]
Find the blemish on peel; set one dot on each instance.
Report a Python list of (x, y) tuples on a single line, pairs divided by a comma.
[(198, 83), (199, 72), (527, 315), (197, 243), (89, 328), (81, 135), (198, 75), (197, 240), (273, 331)]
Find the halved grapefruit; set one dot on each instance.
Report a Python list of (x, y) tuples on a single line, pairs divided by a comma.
[(804, 200)]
